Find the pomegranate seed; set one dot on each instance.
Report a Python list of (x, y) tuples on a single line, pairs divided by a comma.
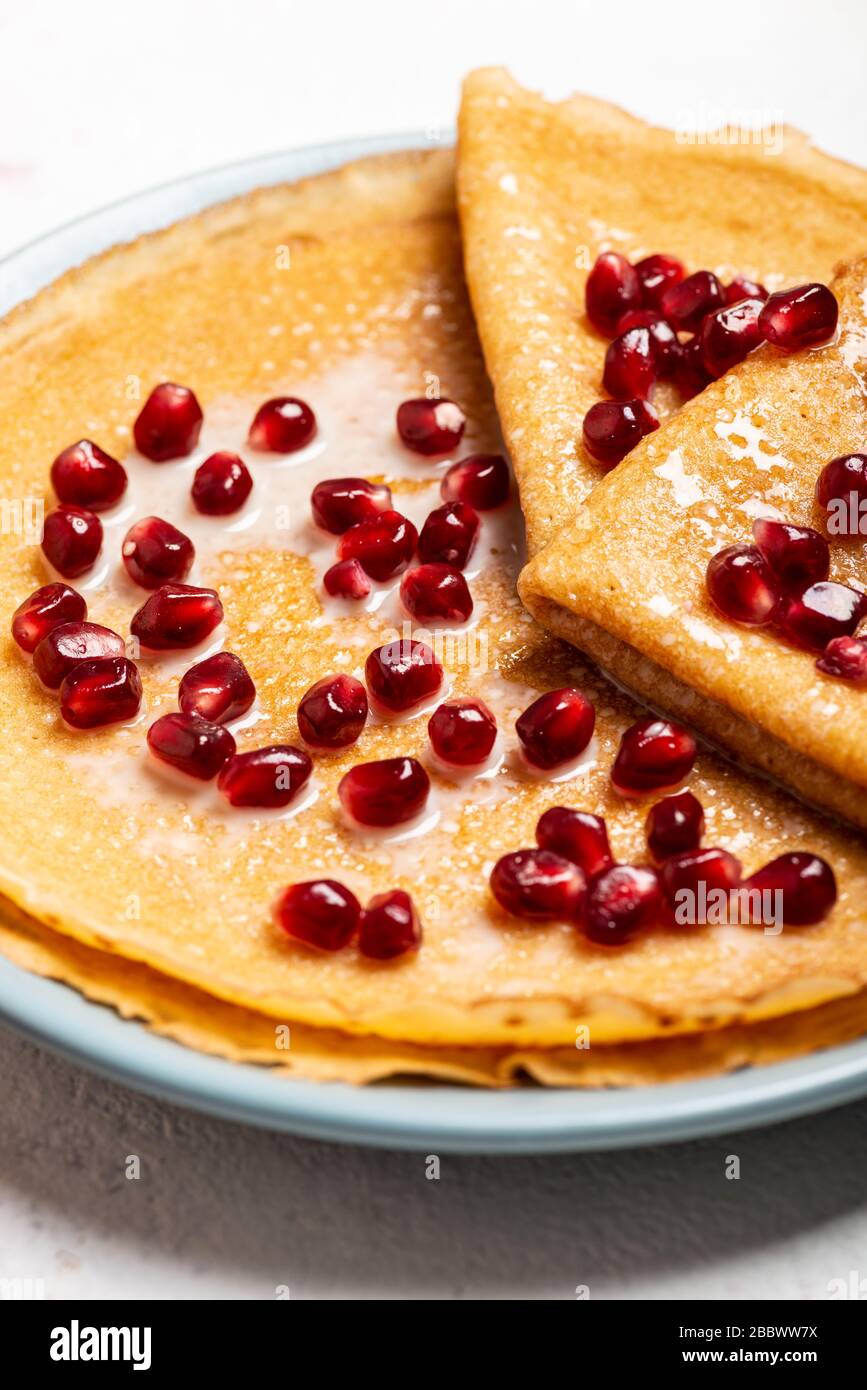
[(621, 900), (462, 732), (578, 836), (653, 753), (333, 712), (675, 824), (389, 926), (555, 728), (664, 342), (430, 427), (806, 882), (105, 691), (612, 428), (282, 425), (71, 540), (630, 365), (729, 334), (383, 547), (846, 658), (436, 594), (742, 288), (68, 644), (481, 480), (538, 884), (687, 303), (191, 744), (691, 376), (656, 273), (842, 477), (45, 609), (218, 689), (320, 913), (177, 615), (613, 287), (270, 777), (401, 675), (155, 552), (798, 555), (222, 484), (449, 535), (715, 868), (820, 613), (384, 793), (799, 318), (87, 476), (168, 424), (742, 585), (346, 579), (340, 503)]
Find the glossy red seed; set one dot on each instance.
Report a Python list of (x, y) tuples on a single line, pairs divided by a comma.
[(620, 902), (402, 675), (663, 339), (798, 555), (806, 883), (630, 365), (462, 732), (389, 927), (799, 318), (267, 777), (656, 273), (742, 585), (686, 304), (190, 744), (612, 428), (691, 376), (321, 913), (556, 728), (87, 476), (729, 334), (539, 885), (578, 836), (96, 693), (653, 754), (347, 580), (823, 611), (45, 609), (71, 540), (339, 503), (675, 824), (68, 644), (613, 287), (845, 658), (177, 616), (384, 793), (842, 477), (282, 425), (480, 480), (169, 423), (154, 552), (436, 594), (218, 689), (430, 427), (687, 872), (333, 712), (383, 547), (222, 484), (449, 535), (742, 288)]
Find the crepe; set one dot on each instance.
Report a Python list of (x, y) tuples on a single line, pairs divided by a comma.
[(544, 187)]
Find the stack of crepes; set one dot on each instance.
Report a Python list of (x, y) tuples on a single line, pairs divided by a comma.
[(355, 282)]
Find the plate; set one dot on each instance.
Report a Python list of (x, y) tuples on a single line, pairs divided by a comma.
[(427, 1117)]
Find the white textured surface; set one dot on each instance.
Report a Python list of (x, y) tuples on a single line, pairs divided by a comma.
[(97, 101)]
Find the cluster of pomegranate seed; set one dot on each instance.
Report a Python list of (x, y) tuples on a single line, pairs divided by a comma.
[(326, 915), (572, 875), (782, 582), (647, 309)]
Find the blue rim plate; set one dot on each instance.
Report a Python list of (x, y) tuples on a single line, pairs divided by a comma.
[(435, 1118)]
